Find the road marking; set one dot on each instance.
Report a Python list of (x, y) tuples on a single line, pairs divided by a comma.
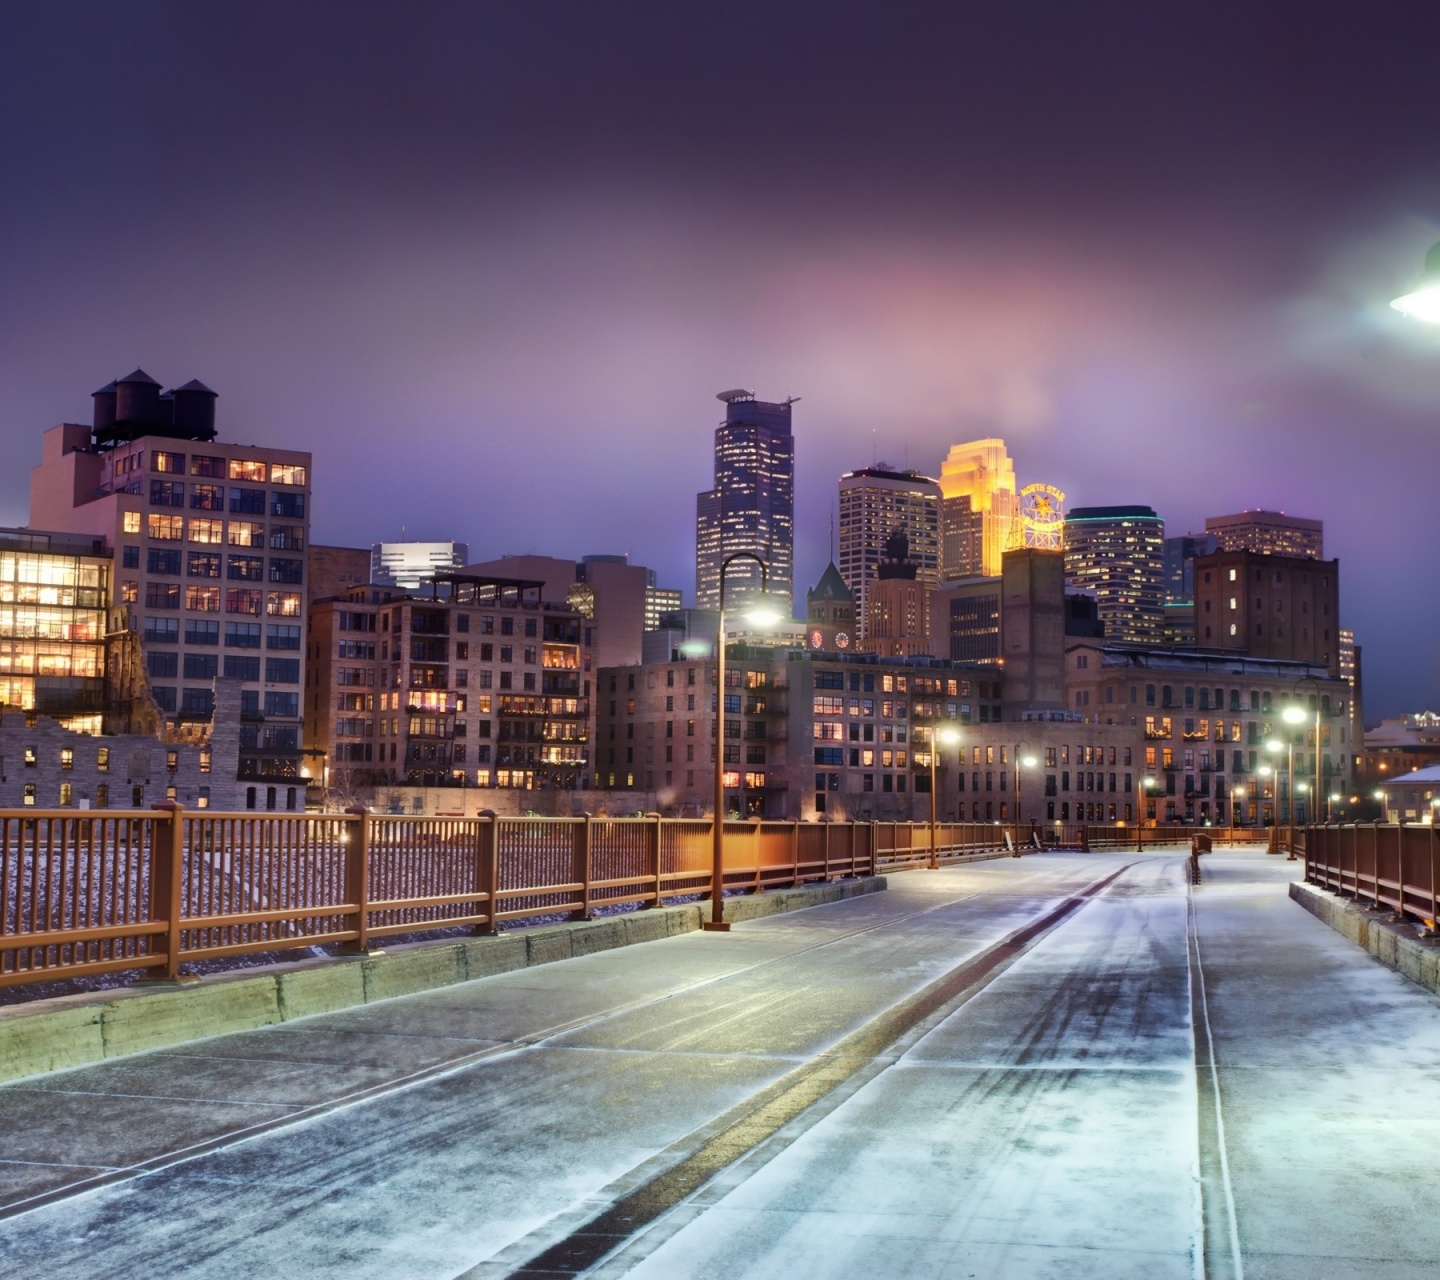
[(1218, 1253), (745, 1127)]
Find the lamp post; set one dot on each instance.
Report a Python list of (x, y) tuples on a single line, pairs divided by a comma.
[(761, 614), (1143, 784), (1384, 805), (947, 734), (1264, 771), (1237, 806), (1330, 802), (1295, 714), (1021, 762)]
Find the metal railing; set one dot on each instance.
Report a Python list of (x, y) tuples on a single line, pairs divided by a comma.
[(85, 893), (1395, 865)]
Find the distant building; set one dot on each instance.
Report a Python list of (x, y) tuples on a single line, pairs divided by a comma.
[(659, 601), (1180, 553), (409, 564), (1116, 554), (876, 503), (1399, 746), (1269, 606), (1271, 533), (751, 507), (335, 570), (977, 507), (683, 633), (209, 542), (965, 621), (898, 625)]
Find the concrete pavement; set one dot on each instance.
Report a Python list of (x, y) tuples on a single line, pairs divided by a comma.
[(783, 1101)]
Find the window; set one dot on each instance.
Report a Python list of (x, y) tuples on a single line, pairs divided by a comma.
[(29, 798), (167, 493), (205, 529), (287, 570), (201, 632), (203, 564), (287, 473), (162, 595), (247, 502), (198, 702), (242, 635), (162, 630), (238, 667), (164, 528), (282, 704), (67, 757), (130, 522), (169, 463), (282, 670), (246, 533), (208, 466), (287, 537), (207, 497), (202, 599), (288, 506), (245, 568), (201, 666), (162, 560), (243, 600), (240, 469), (130, 558), (280, 636), (162, 664), (283, 604)]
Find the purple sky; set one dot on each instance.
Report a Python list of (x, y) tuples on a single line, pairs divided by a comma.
[(490, 263)]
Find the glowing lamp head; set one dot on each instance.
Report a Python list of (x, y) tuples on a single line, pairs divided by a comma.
[(1264, 770), (1379, 795), (1274, 745), (947, 735), (1029, 761), (762, 611), (1423, 302), (1294, 715)]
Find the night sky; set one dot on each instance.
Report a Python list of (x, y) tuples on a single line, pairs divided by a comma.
[(490, 263)]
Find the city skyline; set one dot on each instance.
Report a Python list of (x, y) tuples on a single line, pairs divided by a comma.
[(1155, 256)]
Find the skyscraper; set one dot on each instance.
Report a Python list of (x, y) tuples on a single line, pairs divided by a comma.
[(978, 502), (752, 505), (1117, 554), (1270, 533), (875, 504)]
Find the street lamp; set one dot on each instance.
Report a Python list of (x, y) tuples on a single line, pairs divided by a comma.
[(1295, 714), (1237, 806), (1027, 762), (761, 613), (947, 734), (1264, 771), (1330, 802), (1423, 302), (1384, 805), (1143, 784)]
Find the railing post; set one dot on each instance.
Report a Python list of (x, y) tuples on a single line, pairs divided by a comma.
[(487, 870), (874, 848), (167, 864), (795, 854), (652, 858), (582, 867), (357, 875), (825, 845)]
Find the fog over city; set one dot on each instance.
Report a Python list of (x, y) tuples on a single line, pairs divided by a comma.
[(490, 264)]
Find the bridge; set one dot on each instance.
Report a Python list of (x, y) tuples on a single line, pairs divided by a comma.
[(1067, 1064)]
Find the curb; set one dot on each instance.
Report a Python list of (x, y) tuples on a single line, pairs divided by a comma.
[(1393, 943), (73, 1031)]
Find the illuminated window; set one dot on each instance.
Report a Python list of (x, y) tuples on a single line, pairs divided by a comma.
[(102, 759), (204, 529), (67, 757), (30, 793), (130, 522), (246, 533), (165, 528), (171, 463), (202, 599), (243, 470), (243, 600), (286, 473), (283, 604)]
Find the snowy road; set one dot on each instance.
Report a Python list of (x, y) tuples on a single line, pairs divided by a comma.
[(991, 1071)]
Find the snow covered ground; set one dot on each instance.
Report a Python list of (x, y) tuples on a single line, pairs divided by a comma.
[(1057, 1119)]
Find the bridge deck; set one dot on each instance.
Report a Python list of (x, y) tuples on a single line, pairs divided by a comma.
[(1002, 1069)]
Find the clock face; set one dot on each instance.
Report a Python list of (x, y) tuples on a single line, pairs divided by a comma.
[(842, 641), (817, 639)]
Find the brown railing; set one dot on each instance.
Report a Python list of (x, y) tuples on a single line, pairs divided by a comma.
[(91, 893), (1395, 865)]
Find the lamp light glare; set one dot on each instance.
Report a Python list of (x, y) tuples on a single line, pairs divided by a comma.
[(1423, 303), (1294, 715)]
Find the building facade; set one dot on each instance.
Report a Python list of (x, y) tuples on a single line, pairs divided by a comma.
[(1269, 533), (977, 508), (409, 564), (751, 506), (875, 504), (485, 685), (1269, 606), (209, 544), (1117, 555)]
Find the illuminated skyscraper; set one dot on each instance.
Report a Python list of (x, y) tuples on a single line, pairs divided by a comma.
[(875, 504), (1270, 533), (752, 506), (1117, 554), (978, 502)]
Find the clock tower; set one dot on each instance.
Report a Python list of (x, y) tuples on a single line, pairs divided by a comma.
[(830, 614)]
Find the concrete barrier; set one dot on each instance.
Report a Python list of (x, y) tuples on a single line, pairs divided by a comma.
[(1394, 943), (70, 1031)]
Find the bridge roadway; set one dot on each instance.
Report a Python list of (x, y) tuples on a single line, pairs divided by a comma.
[(997, 1070)]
